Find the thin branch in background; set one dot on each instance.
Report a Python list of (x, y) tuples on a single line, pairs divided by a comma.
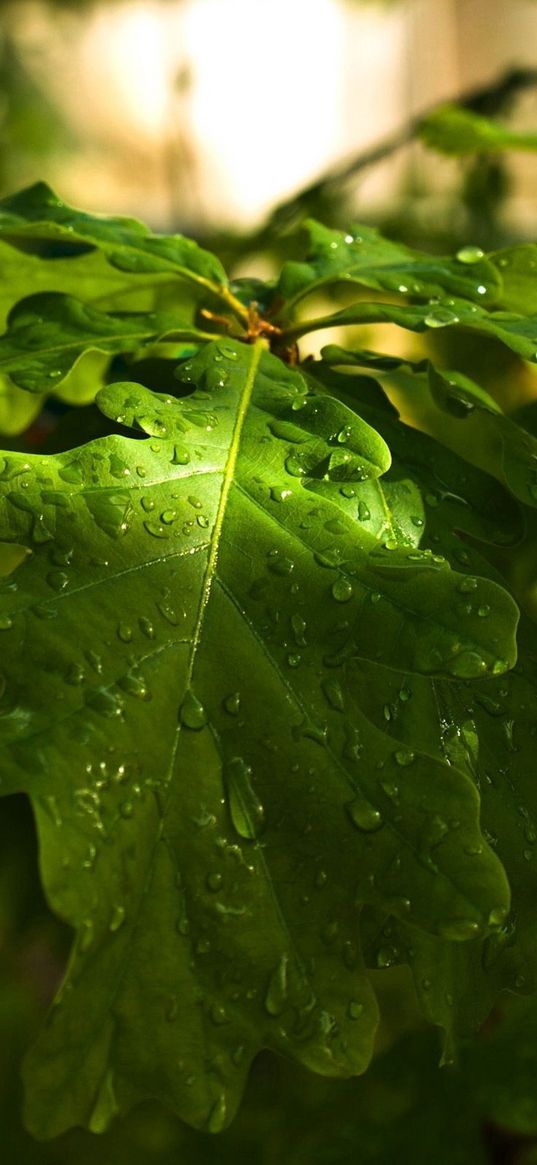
[(486, 101)]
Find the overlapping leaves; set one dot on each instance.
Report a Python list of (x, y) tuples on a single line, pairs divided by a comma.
[(214, 577), (38, 214), (256, 669), (47, 334), (487, 730)]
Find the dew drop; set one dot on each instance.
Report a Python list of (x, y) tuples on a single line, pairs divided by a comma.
[(441, 318), (386, 957), (218, 1115), (134, 685), (342, 590), (497, 916), (404, 757), (287, 431), (334, 694), (146, 627), (105, 702), (281, 565), (192, 714), (364, 815), (94, 661), (218, 1014), (57, 579), (181, 456), (245, 809), (232, 703), (168, 613), (458, 929), (280, 495), (467, 665), (156, 530), (470, 254), (117, 918), (298, 624), (467, 585)]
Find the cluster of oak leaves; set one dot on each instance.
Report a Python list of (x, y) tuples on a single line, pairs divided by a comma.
[(263, 675)]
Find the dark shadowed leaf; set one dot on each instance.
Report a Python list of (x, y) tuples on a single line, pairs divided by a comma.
[(487, 730), (462, 416)]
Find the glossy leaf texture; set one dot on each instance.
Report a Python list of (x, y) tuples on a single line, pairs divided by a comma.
[(87, 276), (364, 257), (38, 214), (215, 801), (48, 333), (486, 730), (462, 416), (517, 332)]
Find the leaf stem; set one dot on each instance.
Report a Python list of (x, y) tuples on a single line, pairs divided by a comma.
[(368, 313)]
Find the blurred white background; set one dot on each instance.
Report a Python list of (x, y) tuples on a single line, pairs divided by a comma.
[(206, 113)]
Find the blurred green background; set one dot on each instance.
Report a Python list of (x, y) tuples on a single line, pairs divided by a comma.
[(231, 120)]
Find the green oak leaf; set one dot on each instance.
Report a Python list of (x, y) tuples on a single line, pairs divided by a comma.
[(515, 331), (38, 214), (489, 732), (458, 497), (486, 730), (363, 256), (518, 267), (454, 130), (462, 416), (214, 863), (89, 277), (490, 439), (49, 332), (17, 408)]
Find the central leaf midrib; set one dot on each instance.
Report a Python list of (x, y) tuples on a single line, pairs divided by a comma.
[(82, 342), (227, 482)]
